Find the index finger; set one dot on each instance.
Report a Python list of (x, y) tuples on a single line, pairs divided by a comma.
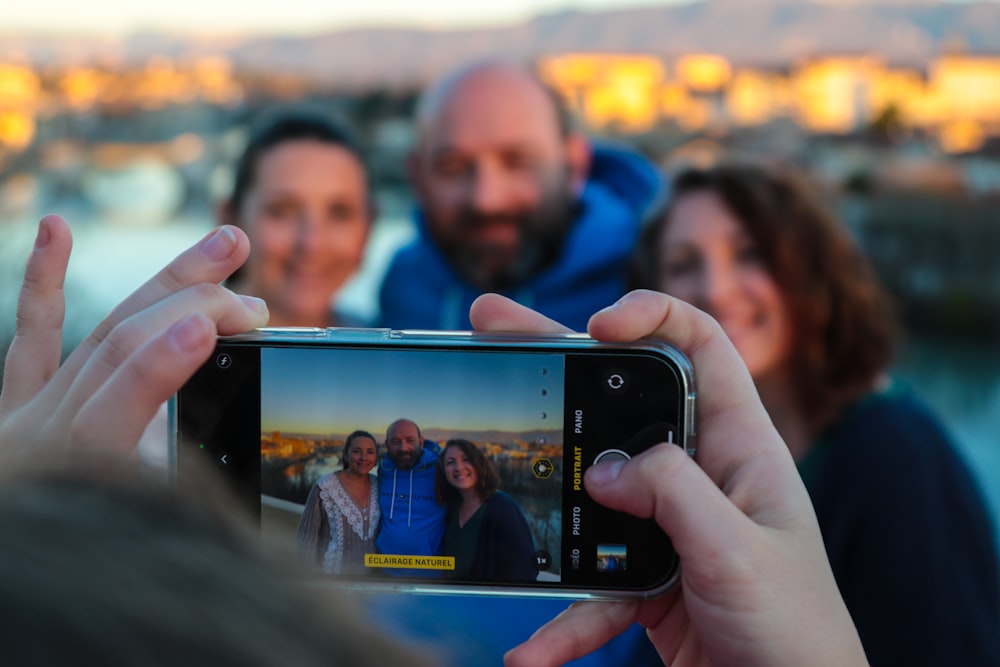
[(578, 631), (33, 357), (211, 260)]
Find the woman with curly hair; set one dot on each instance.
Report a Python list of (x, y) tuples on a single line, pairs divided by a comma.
[(485, 530), (904, 522)]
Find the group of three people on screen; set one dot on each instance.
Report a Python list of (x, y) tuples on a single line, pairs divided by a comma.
[(424, 501)]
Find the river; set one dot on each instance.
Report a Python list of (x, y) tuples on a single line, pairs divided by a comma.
[(961, 380)]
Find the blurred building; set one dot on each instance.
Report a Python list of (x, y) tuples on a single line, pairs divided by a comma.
[(20, 92), (955, 98)]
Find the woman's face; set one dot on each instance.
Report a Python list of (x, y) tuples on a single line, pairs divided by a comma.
[(708, 259), (307, 218), (362, 455), (458, 469)]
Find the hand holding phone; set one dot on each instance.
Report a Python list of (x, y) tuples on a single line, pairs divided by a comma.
[(756, 588), (105, 393)]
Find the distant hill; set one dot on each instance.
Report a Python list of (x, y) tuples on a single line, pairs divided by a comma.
[(442, 436), (763, 32)]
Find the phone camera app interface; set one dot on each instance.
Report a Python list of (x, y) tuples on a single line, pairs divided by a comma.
[(416, 464), (456, 464)]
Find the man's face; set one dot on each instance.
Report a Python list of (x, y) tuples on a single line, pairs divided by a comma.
[(495, 182), (404, 444)]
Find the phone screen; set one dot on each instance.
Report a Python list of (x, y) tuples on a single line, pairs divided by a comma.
[(469, 469)]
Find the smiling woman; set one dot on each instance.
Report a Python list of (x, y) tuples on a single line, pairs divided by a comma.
[(341, 514), (302, 194), (754, 247), (485, 531)]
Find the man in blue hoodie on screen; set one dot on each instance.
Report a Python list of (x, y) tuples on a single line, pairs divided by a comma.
[(513, 200), (412, 522)]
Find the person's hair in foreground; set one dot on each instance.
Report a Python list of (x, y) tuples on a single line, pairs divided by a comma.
[(109, 567), (487, 480), (842, 330)]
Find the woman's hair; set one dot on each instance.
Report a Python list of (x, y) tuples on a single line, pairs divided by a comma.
[(292, 124), (487, 480), (350, 440), (842, 325)]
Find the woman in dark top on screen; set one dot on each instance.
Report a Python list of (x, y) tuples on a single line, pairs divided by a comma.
[(485, 530), (905, 525)]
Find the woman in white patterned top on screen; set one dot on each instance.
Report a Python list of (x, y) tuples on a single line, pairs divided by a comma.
[(341, 515)]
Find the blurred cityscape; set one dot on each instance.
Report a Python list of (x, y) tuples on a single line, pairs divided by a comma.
[(909, 152), (292, 462)]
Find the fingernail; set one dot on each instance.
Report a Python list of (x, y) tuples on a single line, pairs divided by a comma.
[(44, 234), (618, 303), (254, 304), (608, 309), (604, 474), (220, 245), (188, 334)]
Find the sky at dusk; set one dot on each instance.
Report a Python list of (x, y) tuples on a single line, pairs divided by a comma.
[(117, 17), (338, 391)]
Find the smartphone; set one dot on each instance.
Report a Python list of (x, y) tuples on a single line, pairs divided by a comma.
[(468, 477)]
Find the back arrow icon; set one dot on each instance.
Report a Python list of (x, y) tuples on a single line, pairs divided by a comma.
[(223, 458)]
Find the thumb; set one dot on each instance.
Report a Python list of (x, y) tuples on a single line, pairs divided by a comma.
[(665, 484)]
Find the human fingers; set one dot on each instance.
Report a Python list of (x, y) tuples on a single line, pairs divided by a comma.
[(734, 429), (581, 629), (664, 484), (740, 565), (211, 260), (230, 313), (744, 527), (34, 354), (144, 381), (495, 313), (645, 313)]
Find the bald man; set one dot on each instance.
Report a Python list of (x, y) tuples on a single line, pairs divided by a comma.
[(412, 522), (512, 200)]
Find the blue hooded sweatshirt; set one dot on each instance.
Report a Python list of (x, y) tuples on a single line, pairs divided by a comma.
[(412, 522), (422, 291)]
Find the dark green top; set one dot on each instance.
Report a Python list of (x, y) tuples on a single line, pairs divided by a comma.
[(908, 534), (462, 541)]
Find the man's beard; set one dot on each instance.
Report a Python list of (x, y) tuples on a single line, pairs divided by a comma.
[(496, 268), (405, 461)]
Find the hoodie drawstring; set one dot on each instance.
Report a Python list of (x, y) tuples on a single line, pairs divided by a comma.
[(392, 505), (409, 505)]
